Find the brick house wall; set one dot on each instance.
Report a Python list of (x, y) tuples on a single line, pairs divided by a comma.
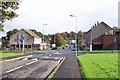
[(108, 42), (117, 41)]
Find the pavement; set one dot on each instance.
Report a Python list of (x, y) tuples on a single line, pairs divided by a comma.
[(69, 69)]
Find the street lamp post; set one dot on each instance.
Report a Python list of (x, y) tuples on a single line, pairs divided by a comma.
[(76, 34), (91, 41), (43, 32), (82, 41)]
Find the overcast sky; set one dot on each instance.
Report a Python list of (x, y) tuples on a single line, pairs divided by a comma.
[(34, 13)]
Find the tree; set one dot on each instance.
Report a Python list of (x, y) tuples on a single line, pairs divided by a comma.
[(38, 33), (1, 27), (11, 32), (60, 41), (79, 38), (64, 35), (47, 37), (72, 35), (52, 39), (116, 29), (7, 11)]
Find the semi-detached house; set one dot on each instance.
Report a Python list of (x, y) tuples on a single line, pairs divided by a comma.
[(31, 41), (101, 35)]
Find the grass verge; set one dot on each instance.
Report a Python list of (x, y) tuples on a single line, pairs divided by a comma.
[(100, 51), (3, 55), (99, 65)]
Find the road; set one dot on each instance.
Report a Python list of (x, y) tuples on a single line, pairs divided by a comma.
[(40, 65)]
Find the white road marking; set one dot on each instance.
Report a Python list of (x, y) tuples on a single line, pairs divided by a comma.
[(21, 66), (31, 62), (49, 55), (34, 59), (25, 59), (14, 69), (60, 60), (57, 53)]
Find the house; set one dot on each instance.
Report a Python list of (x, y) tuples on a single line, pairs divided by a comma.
[(96, 34), (117, 40), (5, 43), (108, 45), (31, 40)]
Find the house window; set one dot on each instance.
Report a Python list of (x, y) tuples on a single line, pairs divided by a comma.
[(29, 46), (36, 45), (25, 46), (17, 46)]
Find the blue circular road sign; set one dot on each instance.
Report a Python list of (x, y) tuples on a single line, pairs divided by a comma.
[(22, 37)]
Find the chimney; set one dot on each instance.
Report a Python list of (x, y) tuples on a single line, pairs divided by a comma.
[(98, 23), (95, 25)]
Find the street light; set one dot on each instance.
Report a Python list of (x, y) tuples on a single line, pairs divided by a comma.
[(76, 34), (43, 31), (91, 40)]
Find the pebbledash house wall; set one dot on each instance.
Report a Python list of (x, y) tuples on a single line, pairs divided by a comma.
[(29, 42), (98, 31)]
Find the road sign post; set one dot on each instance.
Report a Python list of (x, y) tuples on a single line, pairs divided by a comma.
[(23, 45), (23, 38)]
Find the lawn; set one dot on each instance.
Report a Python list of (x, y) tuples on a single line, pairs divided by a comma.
[(99, 65), (100, 51), (2, 55), (15, 52)]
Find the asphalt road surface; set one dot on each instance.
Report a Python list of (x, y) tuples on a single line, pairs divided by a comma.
[(40, 65)]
